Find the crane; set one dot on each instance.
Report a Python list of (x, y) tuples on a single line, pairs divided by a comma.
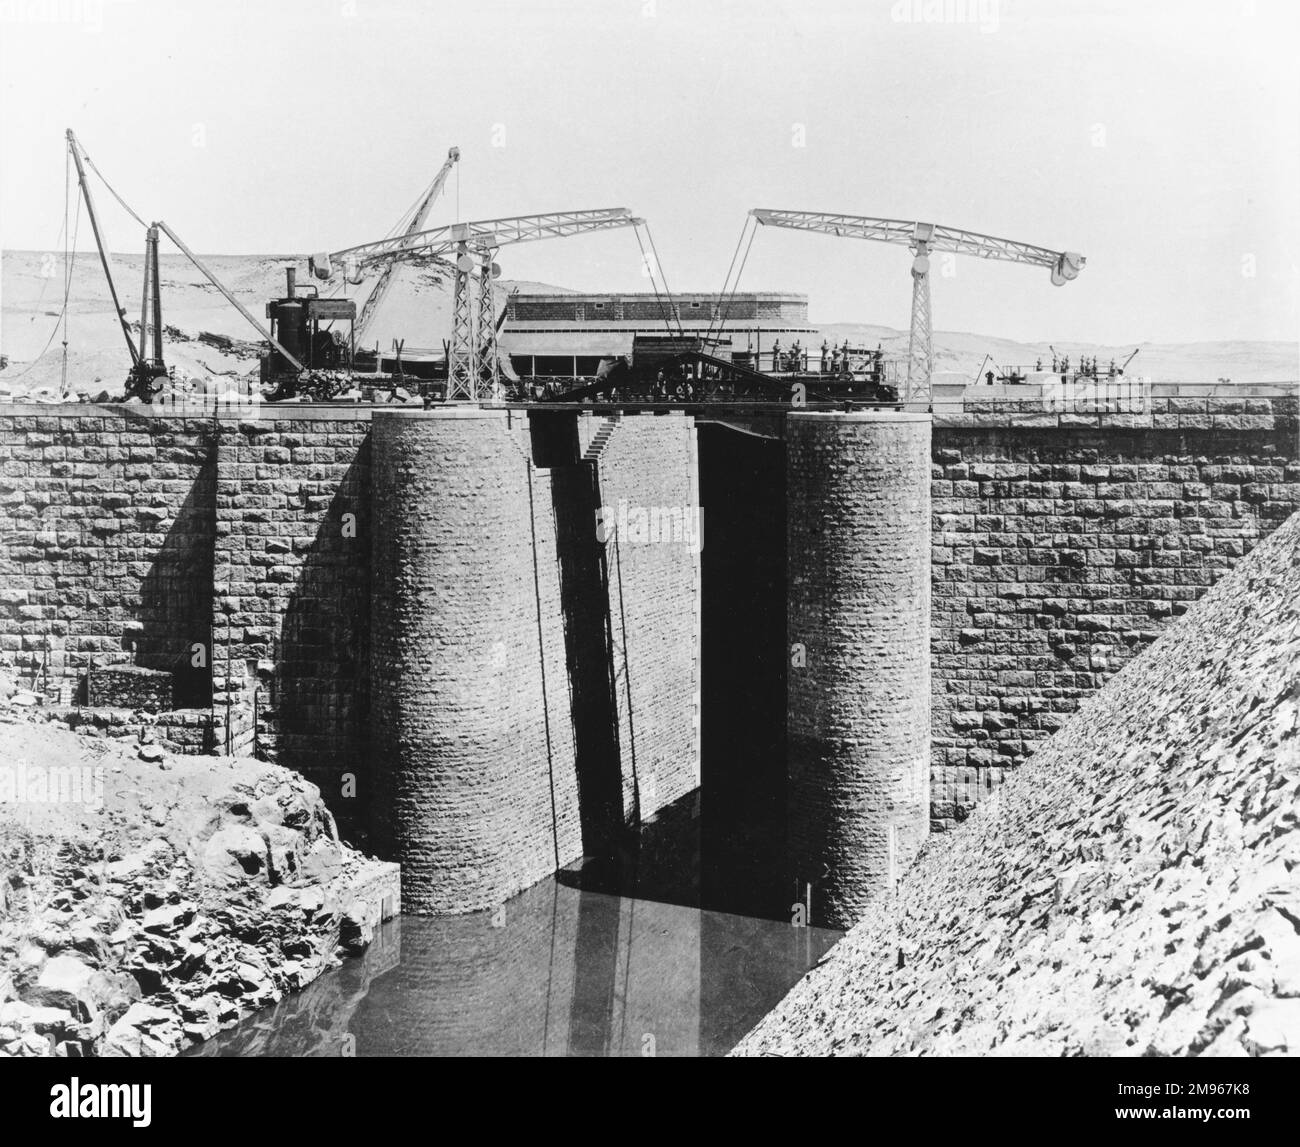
[(473, 373), (421, 213), (146, 362), (923, 238)]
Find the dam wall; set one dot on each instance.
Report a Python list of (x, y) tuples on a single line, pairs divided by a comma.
[(236, 551), (1063, 543)]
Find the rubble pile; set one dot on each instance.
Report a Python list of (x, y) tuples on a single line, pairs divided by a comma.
[(148, 901), (1131, 891)]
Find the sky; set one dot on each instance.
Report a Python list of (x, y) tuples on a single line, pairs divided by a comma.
[(1159, 138)]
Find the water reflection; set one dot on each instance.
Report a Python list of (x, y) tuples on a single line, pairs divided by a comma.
[(556, 971)]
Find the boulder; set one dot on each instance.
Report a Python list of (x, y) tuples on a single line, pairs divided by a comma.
[(357, 926), (168, 918), (144, 1031), (322, 861), (63, 983), (110, 995), (235, 854), (1274, 1027)]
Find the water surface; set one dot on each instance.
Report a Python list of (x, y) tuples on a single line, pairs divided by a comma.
[(555, 971)]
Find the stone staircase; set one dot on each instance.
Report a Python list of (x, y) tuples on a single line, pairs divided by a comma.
[(595, 446)]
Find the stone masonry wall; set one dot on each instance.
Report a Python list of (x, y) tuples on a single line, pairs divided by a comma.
[(133, 535), (1063, 543), (106, 541), (654, 587), (292, 584), (1060, 546)]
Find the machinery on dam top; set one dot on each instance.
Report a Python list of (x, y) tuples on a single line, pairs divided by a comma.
[(467, 250), (313, 343), (922, 239)]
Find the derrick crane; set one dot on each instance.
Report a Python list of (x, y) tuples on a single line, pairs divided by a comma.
[(473, 373), (924, 238), (380, 289), (147, 361)]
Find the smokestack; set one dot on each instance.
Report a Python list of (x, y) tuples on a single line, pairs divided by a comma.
[(291, 280)]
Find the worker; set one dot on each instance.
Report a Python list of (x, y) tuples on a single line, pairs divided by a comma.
[(825, 358), (988, 377), (776, 356), (1038, 365)]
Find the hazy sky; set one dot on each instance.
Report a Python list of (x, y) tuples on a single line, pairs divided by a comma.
[(1160, 139)]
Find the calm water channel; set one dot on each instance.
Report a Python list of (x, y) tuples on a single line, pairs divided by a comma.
[(678, 949)]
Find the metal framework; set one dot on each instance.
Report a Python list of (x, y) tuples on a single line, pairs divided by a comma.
[(421, 213), (485, 329), (473, 372), (486, 233), (461, 370), (923, 238)]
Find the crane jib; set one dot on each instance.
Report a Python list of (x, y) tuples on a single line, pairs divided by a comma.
[(913, 234), (486, 233)]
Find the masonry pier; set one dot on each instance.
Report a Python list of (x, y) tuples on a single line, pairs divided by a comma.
[(858, 622)]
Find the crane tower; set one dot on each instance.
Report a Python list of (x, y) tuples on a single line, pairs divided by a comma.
[(923, 238)]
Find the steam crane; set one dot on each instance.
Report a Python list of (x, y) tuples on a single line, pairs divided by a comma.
[(473, 373), (421, 213), (923, 238)]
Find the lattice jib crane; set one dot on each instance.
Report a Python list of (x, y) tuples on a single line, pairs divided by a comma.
[(923, 238), (472, 371), (380, 290)]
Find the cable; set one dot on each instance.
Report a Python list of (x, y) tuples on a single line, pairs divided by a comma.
[(645, 262), (405, 219), (67, 274), (667, 289), (69, 264), (125, 207), (736, 285), (60, 239), (726, 281)]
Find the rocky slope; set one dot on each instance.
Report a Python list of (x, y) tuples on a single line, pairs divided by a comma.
[(1133, 891), (148, 901)]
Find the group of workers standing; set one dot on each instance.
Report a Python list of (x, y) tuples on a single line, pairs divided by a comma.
[(834, 359)]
